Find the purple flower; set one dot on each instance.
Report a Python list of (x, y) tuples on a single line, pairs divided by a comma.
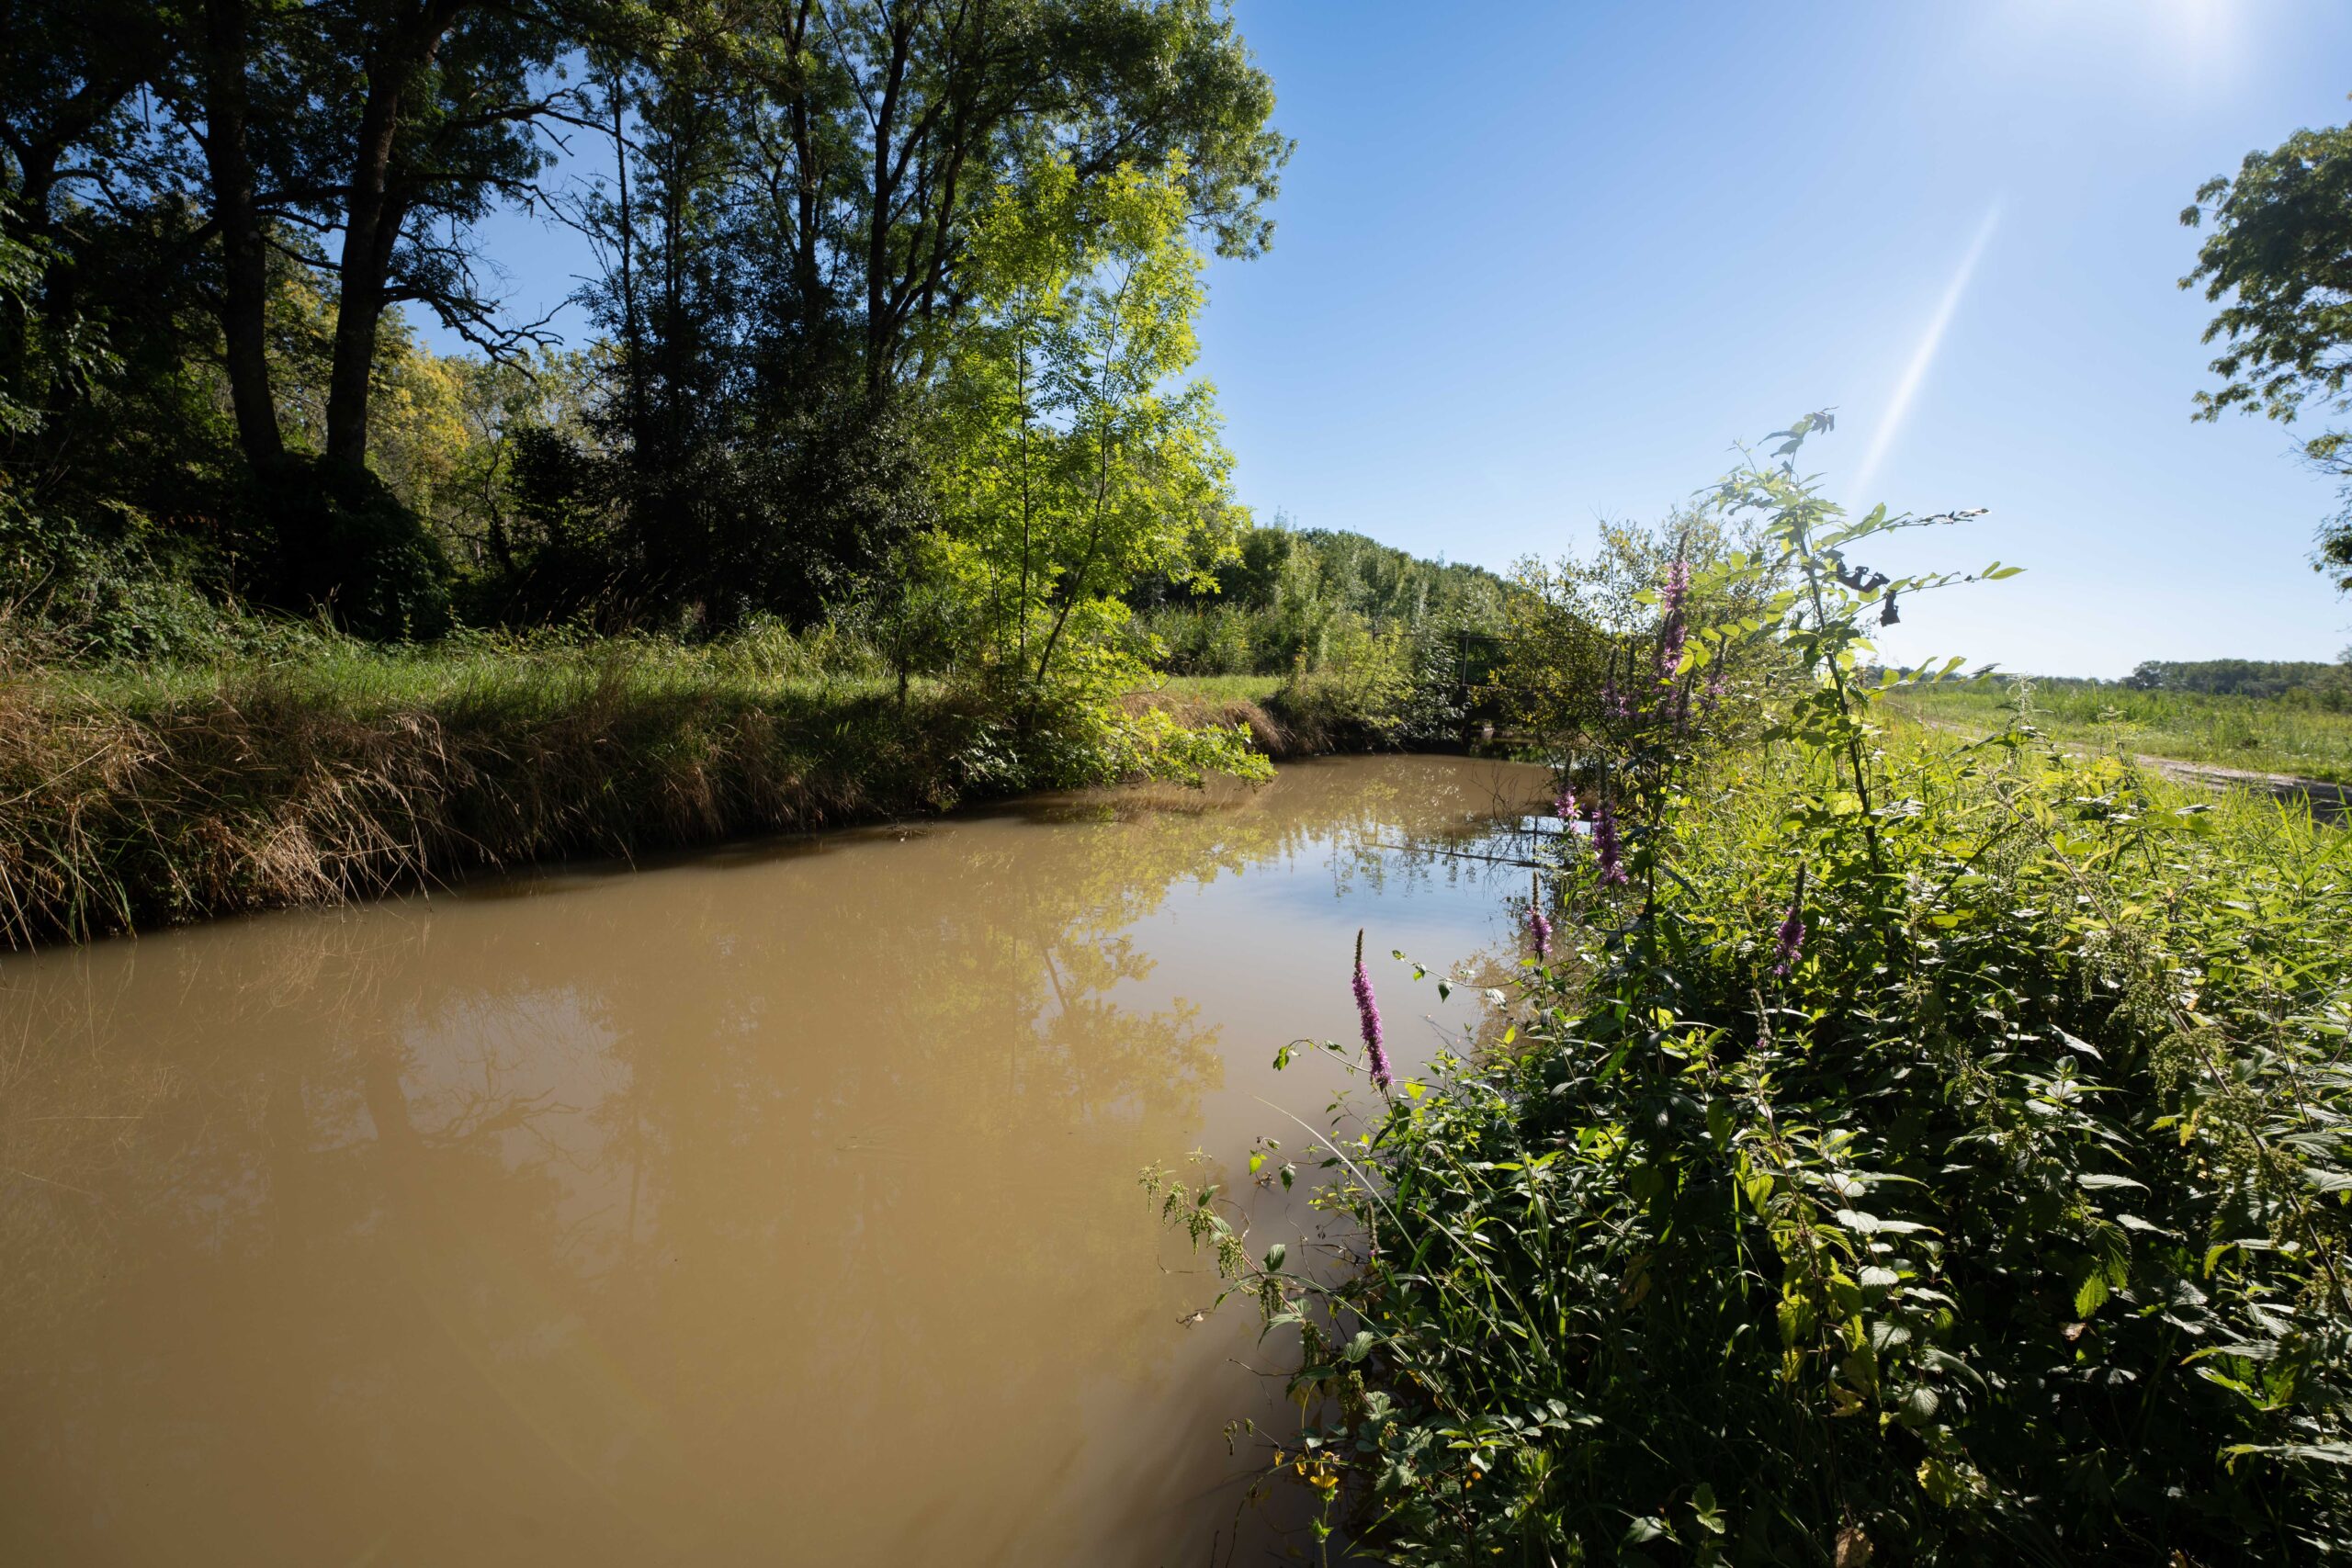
[(1678, 586), (1718, 684), (1791, 942), (1565, 804), (1541, 929), (1605, 845), (1671, 638), (1675, 629), (1613, 701), (1368, 1013)]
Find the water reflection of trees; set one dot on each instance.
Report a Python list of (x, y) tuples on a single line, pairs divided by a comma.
[(617, 1217)]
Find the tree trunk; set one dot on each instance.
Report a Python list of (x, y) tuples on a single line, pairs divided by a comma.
[(374, 210), (807, 280), (372, 217), (244, 253), (881, 331), (632, 339)]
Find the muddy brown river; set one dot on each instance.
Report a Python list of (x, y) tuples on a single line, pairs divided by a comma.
[(778, 1205)]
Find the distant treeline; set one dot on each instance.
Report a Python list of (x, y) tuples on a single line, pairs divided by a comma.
[(2239, 677)]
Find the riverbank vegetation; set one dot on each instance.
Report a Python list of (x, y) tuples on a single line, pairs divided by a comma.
[(326, 767), (884, 478), (1900, 1146)]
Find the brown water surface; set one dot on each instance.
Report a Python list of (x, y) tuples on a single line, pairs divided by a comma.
[(772, 1206)]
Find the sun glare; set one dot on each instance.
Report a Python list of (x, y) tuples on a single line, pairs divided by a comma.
[(1923, 358)]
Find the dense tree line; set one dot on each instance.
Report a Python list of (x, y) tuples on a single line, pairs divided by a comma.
[(824, 233), (1287, 595), (2238, 677)]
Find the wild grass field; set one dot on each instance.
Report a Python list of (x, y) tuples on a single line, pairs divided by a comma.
[(2285, 734)]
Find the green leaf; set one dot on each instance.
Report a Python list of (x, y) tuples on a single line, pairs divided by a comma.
[(1274, 1255), (1646, 1527)]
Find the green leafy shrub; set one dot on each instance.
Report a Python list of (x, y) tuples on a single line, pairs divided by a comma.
[(1930, 1151), (81, 592)]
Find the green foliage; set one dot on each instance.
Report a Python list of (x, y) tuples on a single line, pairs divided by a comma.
[(1284, 595), (2279, 262), (1933, 1149), (1580, 638), (71, 593), (319, 533), (1080, 460), (212, 215)]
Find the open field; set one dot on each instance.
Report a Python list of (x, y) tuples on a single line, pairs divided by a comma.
[(2272, 735)]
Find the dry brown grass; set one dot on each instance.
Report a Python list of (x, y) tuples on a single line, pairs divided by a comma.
[(275, 786), (131, 798)]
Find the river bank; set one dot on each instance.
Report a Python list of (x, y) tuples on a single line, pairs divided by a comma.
[(132, 799)]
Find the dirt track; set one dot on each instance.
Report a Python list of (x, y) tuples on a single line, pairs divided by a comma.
[(2329, 801)]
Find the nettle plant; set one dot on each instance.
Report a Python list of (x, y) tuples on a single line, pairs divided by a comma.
[(1901, 1152)]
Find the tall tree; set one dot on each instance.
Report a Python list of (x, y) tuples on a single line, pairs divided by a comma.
[(362, 137), (1083, 458), (805, 177), (72, 154), (2278, 262)]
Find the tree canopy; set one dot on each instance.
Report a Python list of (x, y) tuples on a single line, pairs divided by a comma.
[(218, 212), (2279, 262)]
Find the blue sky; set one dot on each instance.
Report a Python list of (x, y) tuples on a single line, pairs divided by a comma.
[(1539, 265)]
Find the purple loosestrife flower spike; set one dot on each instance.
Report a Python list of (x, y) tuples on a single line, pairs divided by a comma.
[(1605, 845), (1368, 1013), (1565, 804), (1791, 940), (1676, 629), (1678, 585)]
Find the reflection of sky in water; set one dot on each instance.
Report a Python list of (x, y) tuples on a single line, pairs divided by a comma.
[(592, 1213)]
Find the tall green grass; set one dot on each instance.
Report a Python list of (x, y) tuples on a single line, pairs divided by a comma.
[(2274, 735)]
